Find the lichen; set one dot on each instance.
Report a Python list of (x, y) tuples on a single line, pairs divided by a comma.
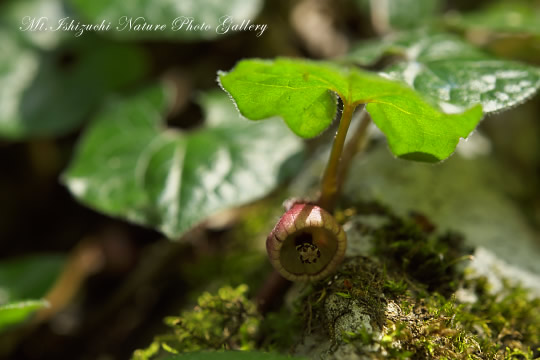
[(358, 285)]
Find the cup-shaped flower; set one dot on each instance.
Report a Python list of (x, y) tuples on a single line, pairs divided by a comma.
[(306, 244)]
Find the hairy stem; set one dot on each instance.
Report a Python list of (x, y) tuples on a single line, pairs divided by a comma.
[(330, 184)]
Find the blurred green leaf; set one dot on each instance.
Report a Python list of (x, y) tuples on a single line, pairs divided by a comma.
[(130, 165), (23, 281), (28, 277), (503, 16), (16, 15), (450, 72), (232, 355), (209, 12), (51, 93), (401, 14), (301, 92), (420, 45), (17, 312)]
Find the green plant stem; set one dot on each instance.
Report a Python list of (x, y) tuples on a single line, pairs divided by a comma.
[(356, 144), (330, 184)]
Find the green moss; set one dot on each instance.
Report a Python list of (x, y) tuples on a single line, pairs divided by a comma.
[(395, 287), (409, 292), (280, 330), (226, 320), (499, 326), (406, 290), (507, 322), (408, 247), (504, 325)]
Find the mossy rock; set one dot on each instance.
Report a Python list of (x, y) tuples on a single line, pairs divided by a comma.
[(383, 307)]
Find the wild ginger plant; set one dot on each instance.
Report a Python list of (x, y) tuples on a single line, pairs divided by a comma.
[(425, 103)]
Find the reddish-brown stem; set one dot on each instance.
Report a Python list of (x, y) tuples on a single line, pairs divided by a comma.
[(271, 294)]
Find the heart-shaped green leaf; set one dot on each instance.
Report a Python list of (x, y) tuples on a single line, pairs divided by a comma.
[(452, 73), (302, 93), (129, 164)]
